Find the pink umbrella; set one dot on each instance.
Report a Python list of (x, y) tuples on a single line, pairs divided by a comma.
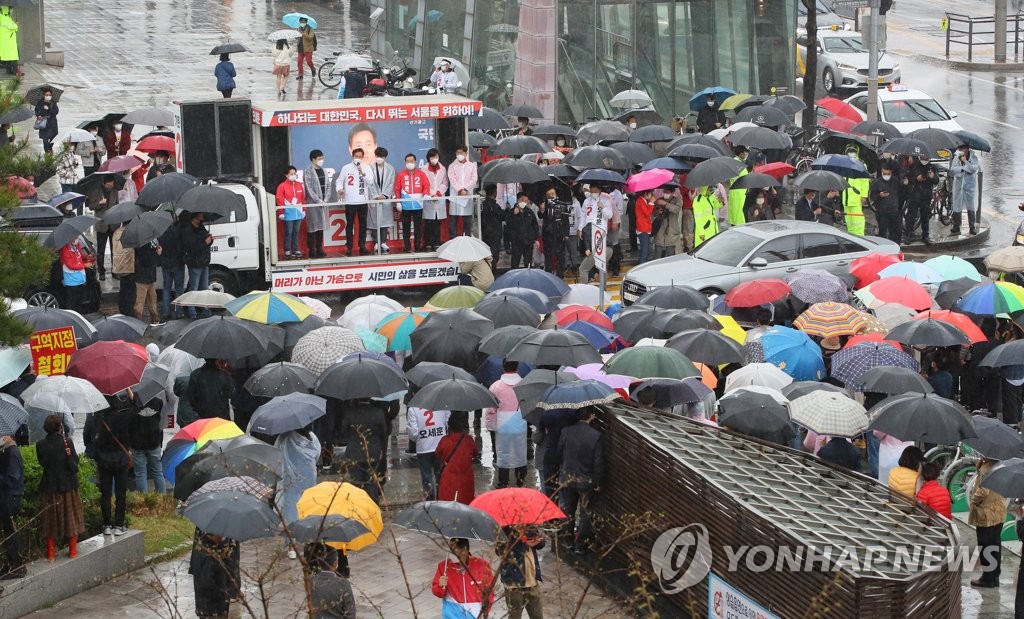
[(592, 371), (320, 308), (121, 164), (649, 179)]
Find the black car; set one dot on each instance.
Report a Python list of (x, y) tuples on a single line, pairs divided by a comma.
[(39, 220)]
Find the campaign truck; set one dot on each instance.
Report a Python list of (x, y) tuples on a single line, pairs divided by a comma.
[(246, 147)]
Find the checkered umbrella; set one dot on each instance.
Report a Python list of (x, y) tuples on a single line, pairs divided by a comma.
[(829, 414), (830, 319), (849, 364), (243, 484), (321, 348), (818, 285)]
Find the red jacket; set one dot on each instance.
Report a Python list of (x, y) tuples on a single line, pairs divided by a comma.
[(290, 192), (465, 585), (936, 497), (644, 212), (411, 183), (71, 256)]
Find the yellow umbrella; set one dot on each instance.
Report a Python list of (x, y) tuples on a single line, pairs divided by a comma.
[(343, 499), (733, 101), (731, 328)]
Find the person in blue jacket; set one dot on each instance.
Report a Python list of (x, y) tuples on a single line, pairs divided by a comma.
[(225, 72)]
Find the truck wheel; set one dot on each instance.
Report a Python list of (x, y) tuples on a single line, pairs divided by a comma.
[(828, 81), (223, 281)]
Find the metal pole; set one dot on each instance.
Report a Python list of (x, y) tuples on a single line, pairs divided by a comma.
[(604, 286), (1000, 31), (873, 61)]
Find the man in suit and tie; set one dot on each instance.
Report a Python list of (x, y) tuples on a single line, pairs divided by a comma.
[(380, 187), (319, 186), (807, 208)]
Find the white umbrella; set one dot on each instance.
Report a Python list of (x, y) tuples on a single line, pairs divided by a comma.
[(631, 98), (584, 294), (464, 249), (345, 62), (553, 155), (460, 69), (829, 414), (64, 394), (760, 374), (204, 298), (719, 133), (321, 348), (740, 125), (366, 316), (179, 362), (75, 135), (650, 341), (376, 299), (284, 33), (320, 308)]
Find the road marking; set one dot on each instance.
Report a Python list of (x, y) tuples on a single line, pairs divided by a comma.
[(986, 118)]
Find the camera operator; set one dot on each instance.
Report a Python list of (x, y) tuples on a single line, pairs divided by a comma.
[(554, 217)]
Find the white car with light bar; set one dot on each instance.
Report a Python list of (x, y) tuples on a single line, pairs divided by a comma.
[(907, 109)]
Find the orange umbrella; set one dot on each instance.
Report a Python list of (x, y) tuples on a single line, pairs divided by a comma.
[(707, 375), (961, 321), (871, 337)]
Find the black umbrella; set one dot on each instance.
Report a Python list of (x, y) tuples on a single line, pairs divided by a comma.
[(879, 128), (210, 200), (671, 322), (820, 180), (503, 339), (118, 327), (550, 132), (165, 188), (479, 139), (227, 337), (600, 175), (512, 171), (951, 290), (518, 145), (602, 131), (326, 528), (928, 332), (507, 310), (941, 143), (35, 94), (293, 331), (236, 515), (448, 519), (597, 157), (228, 48), (674, 297), (252, 449), (146, 228), (149, 116), (787, 104), (280, 379), (700, 138), (153, 384), (451, 336), (535, 384), (209, 464), (1008, 354), (694, 152), (763, 116), (169, 333), (756, 414), (644, 116), (288, 412), (30, 214), (674, 164), (636, 154), (708, 347), (755, 180), (560, 170), (454, 394), (800, 388), (522, 110), (489, 119), (16, 115), (761, 138), (670, 392), (652, 133), (923, 417), (637, 322), (996, 440), (556, 347), (1006, 478), (908, 146), (427, 372), (122, 212), (891, 380), (69, 230), (713, 171), (973, 140), (360, 378), (46, 318)]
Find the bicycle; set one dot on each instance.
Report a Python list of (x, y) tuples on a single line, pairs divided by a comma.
[(942, 200)]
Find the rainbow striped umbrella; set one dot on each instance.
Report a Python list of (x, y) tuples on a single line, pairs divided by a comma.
[(830, 319), (269, 307), (397, 326), (191, 438), (992, 298)]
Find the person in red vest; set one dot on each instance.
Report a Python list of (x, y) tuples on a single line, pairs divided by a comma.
[(932, 493)]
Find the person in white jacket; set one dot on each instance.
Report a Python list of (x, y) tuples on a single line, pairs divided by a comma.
[(427, 428), (436, 209), (353, 190), (462, 180)]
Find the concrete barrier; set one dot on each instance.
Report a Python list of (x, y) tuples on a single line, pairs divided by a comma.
[(99, 559)]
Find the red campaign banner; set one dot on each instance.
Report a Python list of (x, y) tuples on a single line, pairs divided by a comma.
[(52, 350), (361, 277), (369, 113)]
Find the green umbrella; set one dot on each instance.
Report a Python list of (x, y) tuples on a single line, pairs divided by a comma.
[(454, 297), (953, 267), (651, 362), (372, 340)]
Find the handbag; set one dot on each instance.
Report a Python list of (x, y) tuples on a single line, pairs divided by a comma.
[(41, 122), (105, 461)]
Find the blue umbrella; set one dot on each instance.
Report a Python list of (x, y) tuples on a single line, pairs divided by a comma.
[(794, 353), (76, 199), (721, 93), (490, 370), (668, 163), (577, 394), (842, 165), (598, 336), (538, 301), (849, 364), (13, 362), (600, 175), (534, 279), (973, 140), (673, 391), (292, 20)]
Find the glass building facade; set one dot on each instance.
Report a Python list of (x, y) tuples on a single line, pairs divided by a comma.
[(569, 57)]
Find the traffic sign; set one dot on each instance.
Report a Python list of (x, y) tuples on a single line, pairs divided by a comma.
[(598, 242)]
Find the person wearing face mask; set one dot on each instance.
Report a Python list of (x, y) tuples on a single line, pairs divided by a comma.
[(117, 138), (918, 184), (705, 218), (596, 207), (382, 181), (524, 126), (854, 197), (9, 41), (738, 197), (464, 583), (353, 191), (885, 197), (644, 224), (318, 185), (161, 159), (710, 117), (447, 80), (46, 119), (665, 225), (435, 209), (522, 230), (631, 122), (964, 169), (554, 226), (91, 151), (411, 184), (290, 200), (462, 182)]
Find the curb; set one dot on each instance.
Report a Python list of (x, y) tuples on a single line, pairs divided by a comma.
[(969, 66), (957, 243)]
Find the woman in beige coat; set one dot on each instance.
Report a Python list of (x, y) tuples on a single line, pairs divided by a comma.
[(987, 514)]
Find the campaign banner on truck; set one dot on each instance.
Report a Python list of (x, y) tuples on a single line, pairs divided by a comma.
[(361, 277), (52, 350), (339, 140), (376, 110)]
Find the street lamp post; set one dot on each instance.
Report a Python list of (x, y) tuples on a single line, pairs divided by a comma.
[(872, 110)]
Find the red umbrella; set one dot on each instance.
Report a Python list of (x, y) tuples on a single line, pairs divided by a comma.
[(866, 268), (778, 169), (109, 366), (871, 337), (121, 164), (840, 108), (154, 143), (518, 506), (572, 313), (837, 123), (902, 290), (958, 320), (757, 292)]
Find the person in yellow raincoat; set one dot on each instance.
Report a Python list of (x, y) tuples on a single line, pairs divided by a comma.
[(705, 215), (8, 40), (738, 197), (854, 197)]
